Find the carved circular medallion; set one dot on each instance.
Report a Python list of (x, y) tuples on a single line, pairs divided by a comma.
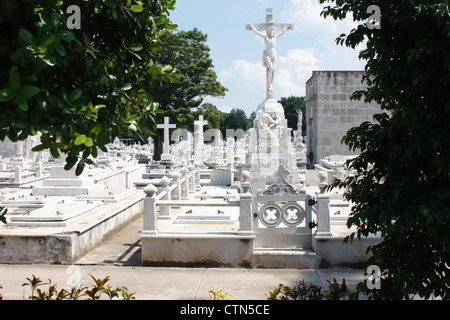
[(293, 214), (270, 215)]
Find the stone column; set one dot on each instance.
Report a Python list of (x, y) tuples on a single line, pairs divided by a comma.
[(197, 176), (150, 227), (176, 192), (17, 174), (39, 169), (164, 211), (245, 181), (191, 178), (323, 208), (323, 215), (245, 214), (184, 184)]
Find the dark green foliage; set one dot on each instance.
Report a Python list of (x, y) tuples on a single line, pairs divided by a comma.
[(211, 114), (188, 52), (236, 119), (405, 195), (79, 87), (302, 291), (291, 105)]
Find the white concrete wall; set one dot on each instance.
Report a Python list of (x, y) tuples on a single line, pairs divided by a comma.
[(330, 113)]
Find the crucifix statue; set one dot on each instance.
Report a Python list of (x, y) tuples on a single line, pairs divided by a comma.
[(269, 31)]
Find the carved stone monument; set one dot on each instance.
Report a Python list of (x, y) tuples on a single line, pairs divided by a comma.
[(166, 157), (199, 146), (270, 144), (269, 31)]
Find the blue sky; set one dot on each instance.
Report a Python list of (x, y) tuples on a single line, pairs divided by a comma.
[(237, 54)]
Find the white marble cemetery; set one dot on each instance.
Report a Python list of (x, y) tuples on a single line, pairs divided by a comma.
[(245, 200)]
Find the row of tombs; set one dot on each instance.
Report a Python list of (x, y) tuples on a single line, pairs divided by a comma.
[(194, 214)]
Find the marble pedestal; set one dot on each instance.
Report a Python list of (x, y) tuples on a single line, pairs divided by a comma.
[(65, 183)]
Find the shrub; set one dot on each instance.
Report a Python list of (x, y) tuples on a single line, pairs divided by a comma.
[(302, 291), (74, 293)]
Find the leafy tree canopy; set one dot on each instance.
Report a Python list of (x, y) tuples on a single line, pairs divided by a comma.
[(404, 195), (188, 52), (211, 114), (236, 119), (291, 105), (79, 86)]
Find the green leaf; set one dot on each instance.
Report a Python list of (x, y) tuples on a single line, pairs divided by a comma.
[(26, 36), (14, 80), (48, 40), (28, 91), (55, 19), (21, 53), (86, 39), (75, 95), (114, 13), (135, 54), (80, 167), (137, 8), (66, 35), (80, 140), (22, 123), (29, 77), (110, 4), (6, 95), (88, 142), (55, 153), (126, 86), (48, 59), (12, 134), (58, 145), (59, 47), (69, 165), (22, 103), (39, 148), (136, 47), (102, 147), (97, 129)]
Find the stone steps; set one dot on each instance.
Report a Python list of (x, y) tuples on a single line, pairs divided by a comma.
[(285, 258), (283, 252)]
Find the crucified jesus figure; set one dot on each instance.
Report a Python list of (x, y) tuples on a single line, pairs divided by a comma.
[(270, 32)]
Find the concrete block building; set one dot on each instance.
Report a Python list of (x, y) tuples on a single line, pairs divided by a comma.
[(330, 113)]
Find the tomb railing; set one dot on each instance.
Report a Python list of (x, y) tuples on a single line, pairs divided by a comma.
[(282, 209)]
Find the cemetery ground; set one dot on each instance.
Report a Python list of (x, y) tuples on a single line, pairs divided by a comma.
[(119, 258)]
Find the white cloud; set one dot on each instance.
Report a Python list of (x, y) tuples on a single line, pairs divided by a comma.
[(293, 71), (249, 74), (321, 33), (224, 108), (305, 14)]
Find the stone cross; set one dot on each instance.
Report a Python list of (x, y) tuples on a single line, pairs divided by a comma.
[(269, 31), (166, 126), (200, 121), (198, 134)]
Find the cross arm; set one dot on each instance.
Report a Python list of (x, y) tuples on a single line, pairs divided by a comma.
[(266, 26)]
